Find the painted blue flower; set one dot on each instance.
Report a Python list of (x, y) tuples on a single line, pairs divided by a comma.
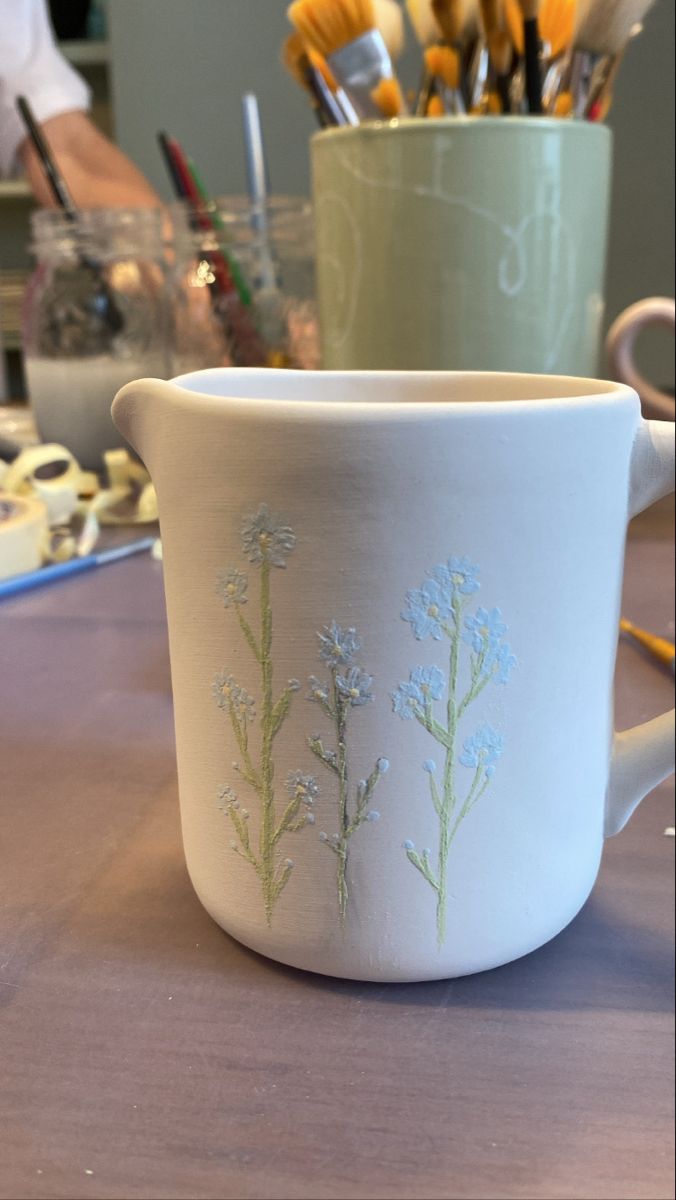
[(302, 787), (337, 646), (423, 685), (232, 587), (226, 799), (458, 574), (225, 689), (483, 748), (266, 538), (407, 701), (318, 691), (230, 696), (430, 681), (502, 662), (355, 685), (484, 629), (427, 608)]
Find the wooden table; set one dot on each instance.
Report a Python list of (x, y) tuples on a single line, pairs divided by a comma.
[(145, 1054)]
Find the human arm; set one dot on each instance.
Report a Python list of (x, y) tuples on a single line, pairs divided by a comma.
[(98, 174), (96, 171)]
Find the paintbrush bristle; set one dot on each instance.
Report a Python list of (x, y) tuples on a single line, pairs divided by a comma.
[(443, 62), (320, 64), (388, 97), (564, 105), (328, 25), (448, 15), (294, 55), (427, 17), (389, 21), (555, 21), (500, 51), (604, 26), (491, 16), (422, 19), (529, 9), (435, 107)]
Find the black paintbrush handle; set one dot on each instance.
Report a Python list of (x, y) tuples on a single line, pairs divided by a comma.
[(502, 88), (56, 182), (531, 53), (103, 301), (332, 113), (177, 182)]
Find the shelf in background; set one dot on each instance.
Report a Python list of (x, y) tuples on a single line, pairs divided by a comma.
[(12, 288), (14, 189), (86, 53)]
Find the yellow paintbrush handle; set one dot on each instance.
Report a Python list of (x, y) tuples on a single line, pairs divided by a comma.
[(660, 647)]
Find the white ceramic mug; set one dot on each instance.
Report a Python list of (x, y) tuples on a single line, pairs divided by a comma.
[(393, 606), (620, 342)]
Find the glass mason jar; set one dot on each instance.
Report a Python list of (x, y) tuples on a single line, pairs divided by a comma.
[(243, 285), (96, 315)]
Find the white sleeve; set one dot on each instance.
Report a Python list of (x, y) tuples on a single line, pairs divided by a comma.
[(31, 66)]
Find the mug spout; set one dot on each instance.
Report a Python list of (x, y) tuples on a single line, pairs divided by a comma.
[(135, 411)]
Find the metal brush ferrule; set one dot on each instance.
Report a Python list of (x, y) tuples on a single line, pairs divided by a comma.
[(359, 67)]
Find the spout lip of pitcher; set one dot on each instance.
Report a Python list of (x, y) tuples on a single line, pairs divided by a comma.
[(390, 392)]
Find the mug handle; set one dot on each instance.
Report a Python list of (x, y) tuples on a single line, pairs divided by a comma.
[(643, 756), (620, 342)]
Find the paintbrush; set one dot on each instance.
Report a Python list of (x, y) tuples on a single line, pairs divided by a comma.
[(500, 52), (443, 64), (435, 107), (389, 98), (185, 189), (329, 102), (296, 59), (458, 24), (427, 33), (390, 21), (75, 566), (345, 33), (267, 292), (98, 304), (342, 99), (424, 22), (659, 647), (449, 16), (608, 44), (500, 56), (228, 293), (556, 19), (602, 82), (602, 30), (531, 54)]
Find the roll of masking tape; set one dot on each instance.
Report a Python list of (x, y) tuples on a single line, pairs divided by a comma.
[(24, 531), (50, 472)]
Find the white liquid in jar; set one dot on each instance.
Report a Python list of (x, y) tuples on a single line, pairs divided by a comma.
[(71, 400)]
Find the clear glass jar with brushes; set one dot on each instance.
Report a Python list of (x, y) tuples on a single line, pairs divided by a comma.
[(76, 358), (243, 284)]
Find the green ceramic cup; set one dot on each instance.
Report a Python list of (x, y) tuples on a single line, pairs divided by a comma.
[(472, 243)]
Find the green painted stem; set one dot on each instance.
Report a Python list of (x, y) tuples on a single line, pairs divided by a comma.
[(343, 786), (267, 832)]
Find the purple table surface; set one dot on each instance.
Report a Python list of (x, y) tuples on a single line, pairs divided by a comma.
[(143, 1053)]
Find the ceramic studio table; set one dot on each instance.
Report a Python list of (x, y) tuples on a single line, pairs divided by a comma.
[(143, 1053)]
